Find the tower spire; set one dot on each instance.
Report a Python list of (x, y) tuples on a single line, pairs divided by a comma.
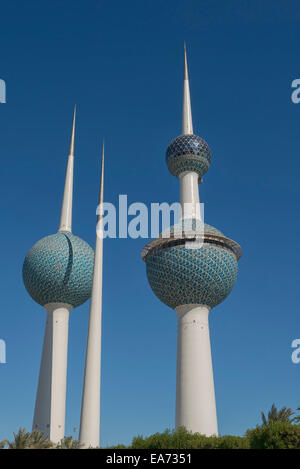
[(101, 185), (89, 434), (187, 123), (66, 209)]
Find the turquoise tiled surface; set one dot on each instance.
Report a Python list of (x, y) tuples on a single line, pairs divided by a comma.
[(192, 224), (59, 268), (178, 275)]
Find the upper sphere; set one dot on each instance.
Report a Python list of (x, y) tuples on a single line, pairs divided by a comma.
[(59, 269), (188, 153)]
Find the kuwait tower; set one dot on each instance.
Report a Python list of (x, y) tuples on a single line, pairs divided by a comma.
[(57, 274), (192, 270)]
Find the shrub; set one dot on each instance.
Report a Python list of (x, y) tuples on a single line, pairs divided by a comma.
[(182, 439), (232, 442), (68, 443), (277, 435)]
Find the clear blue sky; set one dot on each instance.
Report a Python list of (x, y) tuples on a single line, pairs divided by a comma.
[(122, 63)]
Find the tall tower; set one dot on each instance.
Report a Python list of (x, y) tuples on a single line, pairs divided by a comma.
[(89, 434), (57, 274), (192, 270)]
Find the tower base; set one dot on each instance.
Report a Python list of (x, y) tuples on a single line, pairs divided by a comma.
[(50, 405), (195, 394)]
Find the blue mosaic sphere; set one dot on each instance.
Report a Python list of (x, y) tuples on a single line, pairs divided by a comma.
[(179, 275), (59, 269), (188, 153)]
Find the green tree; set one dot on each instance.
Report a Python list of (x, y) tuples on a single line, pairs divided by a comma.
[(27, 440), (39, 441), (276, 435), (21, 440), (68, 443), (297, 418), (275, 415)]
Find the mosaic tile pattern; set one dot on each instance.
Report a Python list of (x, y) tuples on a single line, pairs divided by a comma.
[(188, 153), (59, 268), (179, 276), (191, 224)]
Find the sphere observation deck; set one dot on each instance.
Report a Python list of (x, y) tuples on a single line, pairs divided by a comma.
[(188, 153), (59, 269), (180, 274)]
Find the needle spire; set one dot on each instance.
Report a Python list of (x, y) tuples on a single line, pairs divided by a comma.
[(66, 209), (187, 123)]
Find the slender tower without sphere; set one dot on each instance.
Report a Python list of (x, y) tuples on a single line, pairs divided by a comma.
[(192, 270), (89, 434), (57, 273)]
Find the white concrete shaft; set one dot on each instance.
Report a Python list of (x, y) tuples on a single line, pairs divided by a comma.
[(189, 195), (195, 394), (89, 434), (50, 405)]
